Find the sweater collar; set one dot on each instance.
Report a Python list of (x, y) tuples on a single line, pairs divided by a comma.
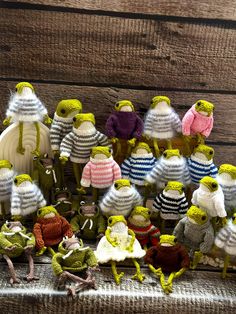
[(198, 227), (200, 161), (62, 119)]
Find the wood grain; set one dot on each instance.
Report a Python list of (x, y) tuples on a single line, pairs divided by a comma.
[(101, 101), (217, 9), (105, 50)]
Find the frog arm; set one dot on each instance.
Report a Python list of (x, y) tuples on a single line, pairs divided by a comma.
[(125, 168), (55, 136), (4, 243), (208, 241), (113, 242), (138, 128), (176, 122), (207, 131), (101, 224), (187, 122), (179, 231), (213, 170), (86, 176), (116, 172), (111, 127), (91, 260), (75, 224), (31, 240), (56, 264), (131, 244), (66, 227), (37, 231)]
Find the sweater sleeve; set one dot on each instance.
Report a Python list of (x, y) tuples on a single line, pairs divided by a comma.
[(179, 230), (86, 175), (185, 260), (183, 206), (208, 241), (13, 108), (150, 255), (116, 171), (40, 199), (91, 260), (15, 204), (222, 237), (156, 206), (41, 108), (31, 241), (125, 168), (107, 203), (138, 128), (56, 264), (102, 139), (187, 122), (37, 231), (110, 127), (187, 178), (219, 204), (148, 124), (67, 145), (213, 171), (55, 136), (137, 200), (155, 174), (195, 198), (4, 243), (75, 223), (176, 122), (207, 131)]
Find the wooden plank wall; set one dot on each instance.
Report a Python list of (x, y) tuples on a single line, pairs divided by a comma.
[(101, 51)]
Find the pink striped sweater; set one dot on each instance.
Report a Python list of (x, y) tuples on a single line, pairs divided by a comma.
[(100, 173)]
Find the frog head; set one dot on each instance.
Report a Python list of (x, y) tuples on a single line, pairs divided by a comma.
[(47, 212), (197, 215), (141, 149), (174, 187), (88, 209), (117, 224), (13, 226), (122, 185), (101, 152), (204, 107), (70, 244), (161, 103), (228, 172), (23, 88), (5, 166), (209, 184), (203, 152), (85, 119), (124, 105), (167, 240), (140, 215), (68, 108), (171, 154), (23, 180)]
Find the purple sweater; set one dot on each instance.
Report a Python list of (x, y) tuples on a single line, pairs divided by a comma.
[(125, 125)]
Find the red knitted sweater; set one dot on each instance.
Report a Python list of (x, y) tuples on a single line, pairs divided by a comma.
[(146, 235), (49, 232)]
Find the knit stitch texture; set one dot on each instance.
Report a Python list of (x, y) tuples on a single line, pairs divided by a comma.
[(226, 238), (199, 169)]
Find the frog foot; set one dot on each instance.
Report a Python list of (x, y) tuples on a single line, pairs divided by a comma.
[(118, 277), (41, 251), (36, 152), (14, 280), (226, 275), (138, 276), (158, 271), (81, 190), (168, 288), (31, 277), (20, 150)]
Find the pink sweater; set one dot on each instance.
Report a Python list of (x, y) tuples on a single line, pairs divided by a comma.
[(193, 122), (100, 173)]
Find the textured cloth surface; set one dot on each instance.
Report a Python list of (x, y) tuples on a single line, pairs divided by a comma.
[(229, 191), (199, 169), (6, 181), (148, 235), (226, 238)]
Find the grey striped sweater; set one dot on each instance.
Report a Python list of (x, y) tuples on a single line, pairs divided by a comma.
[(229, 194), (226, 238), (26, 109), (77, 145), (26, 200), (60, 127), (117, 202), (171, 207), (166, 170), (6, 180), (162, 126)]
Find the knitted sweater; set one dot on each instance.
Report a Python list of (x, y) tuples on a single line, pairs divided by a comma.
[(60, 127), (26, 200), (194, 122), (229, 191), (50, 231), (162, 126), (136, 167), (169, 258), (117, 202), (77, 144), (100, 173), (171, 207), (146, 235), (26, 109), (166, 170), (226, 238), (211, 202), (6, 180), (195, 236), (199, 169), (124, 125)]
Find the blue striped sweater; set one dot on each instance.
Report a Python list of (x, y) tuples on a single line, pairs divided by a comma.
[(136, 167), (199, 169)]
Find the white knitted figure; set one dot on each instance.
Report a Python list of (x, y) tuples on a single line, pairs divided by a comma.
[(6, 179)]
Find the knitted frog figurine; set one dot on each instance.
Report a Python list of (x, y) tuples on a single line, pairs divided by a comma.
[(26, 107), (198, 120), (26, 197), (209, 196), (6, 179), (171, 203), (73, 258), (162, 122), (200, 163), (63, 202), (78, 143), (120, 199), (101, 171), (196, 233), (170, 167), (88, 223), (118, 244), (139, 221), (227, 180), (63, 121), (49, 229), (14, 241), (225, 240), (167, 257), (124, 123)]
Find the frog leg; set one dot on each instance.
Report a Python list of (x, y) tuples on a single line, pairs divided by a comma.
[(36, 152), (163, 225), (200, 139), (77, 173), (169, 144), (196, 258), (147, 190), (13, 278), (95, 194), (118, 149), (186, 140), (158, 272), (51, 251), (156, 147), (31, 275), (226, 264), (3, 210), (20, 149), (117, 276), (41, 251), (138, 275), (169, 284)]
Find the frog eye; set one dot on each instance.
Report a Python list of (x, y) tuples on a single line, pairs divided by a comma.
[(109, 150), (198, 103), (74, 119), (214, 185), (211, 152), (82, 203), (149, 212), (166, 184), (183, 189), (39, 212), (15, 181), (233, 218), (116, 185), (64, 244), (11, 165), (63, 111), (175, 240), (8, 224), (203, 217), (165, 154), (110, 220), (117, 105)]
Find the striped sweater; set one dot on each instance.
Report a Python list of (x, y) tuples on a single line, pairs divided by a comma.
[(59, 129), (148, 235), (199, 169), (169, 170), (26, 200), (26, 109), (171, 207), (162, 126), (100, 173), (136, 167), (229, 190), (118, 202), (6, 180), (78, 143), (226, 238)]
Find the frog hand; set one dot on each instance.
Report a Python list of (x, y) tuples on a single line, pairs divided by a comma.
[(7, 121), (114, 140), (16, 217), (63, 159), (41, 251), (47, 119), (81, 190), (132, 142)]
